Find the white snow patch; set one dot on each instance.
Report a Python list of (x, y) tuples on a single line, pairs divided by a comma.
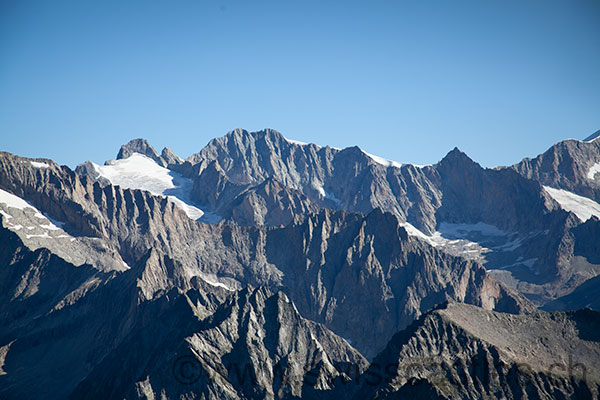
[(299, 143), (50, 226), (43, 235), (320, 190), (436, 240), (510, 245), (39, 164), (215, 283), (469, 238), (594, 136), (326, 195), (383, 161), (14, 201), (581, 206), (454, 233), (141, 172), (593, 171), (529, 263)]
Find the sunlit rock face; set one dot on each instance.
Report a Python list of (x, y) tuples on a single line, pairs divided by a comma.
[(295, 265)]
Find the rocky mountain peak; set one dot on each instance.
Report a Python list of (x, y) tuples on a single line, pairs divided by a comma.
[(140, 146), (541, 355), (170, 157), (457, 157)]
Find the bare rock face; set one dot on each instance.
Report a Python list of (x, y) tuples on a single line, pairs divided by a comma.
[(321, 256), (255, 345), (584, 296), (529, 247), (170, 157), (455, 190), (567, 165), (337, 267), (365, 278), (140, 146), (460, 351), (502, 198), (81, 333), (165, 159), (268, 203), (347, 179)]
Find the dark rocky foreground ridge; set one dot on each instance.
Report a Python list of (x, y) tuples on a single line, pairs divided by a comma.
[(460, 351), (321, 256)]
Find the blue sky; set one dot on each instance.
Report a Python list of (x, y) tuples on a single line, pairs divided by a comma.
[(406, 80)]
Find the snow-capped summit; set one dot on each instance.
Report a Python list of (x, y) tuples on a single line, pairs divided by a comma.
[(139, 171)]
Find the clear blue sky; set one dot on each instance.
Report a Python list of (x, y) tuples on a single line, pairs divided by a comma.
[(404, 80)]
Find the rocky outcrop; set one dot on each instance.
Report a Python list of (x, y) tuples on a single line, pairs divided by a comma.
[(338, 267), (167, 158), (566, 165), (268, 203), (73, 332), (584, 296), (502, 198), (460, 351), (170, 158), (365, 278), (255, 345), (454, 190), (347, 179), (533, 252), (140, 146), (109, 292)]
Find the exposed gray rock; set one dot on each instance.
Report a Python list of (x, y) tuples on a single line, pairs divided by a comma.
[(460, 351), (584, 296), (346, 179), (365, 278), (532, 254), (255, 345), (326, 234), (88, 169), (74, 332), (170, 157), (352, 264), (140, 146), (586, 249), (566, 165)]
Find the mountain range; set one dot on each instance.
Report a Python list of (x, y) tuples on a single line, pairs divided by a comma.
[(262, 267)]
